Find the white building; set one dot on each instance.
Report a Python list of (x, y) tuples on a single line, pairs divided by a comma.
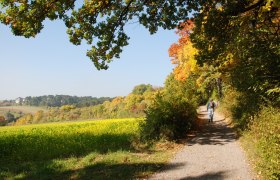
[(19, 100)]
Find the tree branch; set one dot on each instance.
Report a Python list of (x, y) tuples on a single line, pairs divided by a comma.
[(125, 11), (258, 4), (246, 9)]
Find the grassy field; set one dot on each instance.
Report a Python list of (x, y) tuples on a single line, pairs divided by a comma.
[(23, 109), (103, 149)]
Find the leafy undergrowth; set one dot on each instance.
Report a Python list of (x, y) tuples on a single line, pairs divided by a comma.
[(81, 150), (262, 142)]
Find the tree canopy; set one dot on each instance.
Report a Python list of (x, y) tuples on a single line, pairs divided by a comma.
[(99, 23), (239, 39), (142, 88), (102, 23)]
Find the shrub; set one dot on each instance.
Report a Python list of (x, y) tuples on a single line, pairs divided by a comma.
[(241, 106), (168, 118), (9, 117), (67, 108)]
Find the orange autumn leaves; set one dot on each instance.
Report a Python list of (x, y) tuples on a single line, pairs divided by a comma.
[(183, 53)]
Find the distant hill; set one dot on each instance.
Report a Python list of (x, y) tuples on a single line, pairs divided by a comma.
[(56, 101)]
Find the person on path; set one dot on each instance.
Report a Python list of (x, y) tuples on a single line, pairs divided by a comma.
[(210, 108)]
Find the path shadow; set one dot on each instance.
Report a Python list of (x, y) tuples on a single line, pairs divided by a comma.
[(220, 120), (209, 176), (172, 166), (214, 133)]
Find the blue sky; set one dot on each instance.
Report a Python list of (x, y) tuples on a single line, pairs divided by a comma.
[(50, 65)]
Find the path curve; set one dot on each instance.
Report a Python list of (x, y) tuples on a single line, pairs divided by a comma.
[(213, 154)]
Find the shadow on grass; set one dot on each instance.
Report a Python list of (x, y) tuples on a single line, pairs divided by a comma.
[(50, 170)]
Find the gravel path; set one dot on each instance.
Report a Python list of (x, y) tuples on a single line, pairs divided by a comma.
[(213, 154)]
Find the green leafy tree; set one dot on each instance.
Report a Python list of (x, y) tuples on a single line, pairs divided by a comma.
[(141, 89), (100, 23), (9, 117), (133, 102), (60, 100), (240, 39), (172, 112)]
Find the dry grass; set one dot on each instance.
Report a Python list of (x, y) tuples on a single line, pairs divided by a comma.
[(23, 109)]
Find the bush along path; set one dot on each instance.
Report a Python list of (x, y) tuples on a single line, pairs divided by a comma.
[(214, 153)]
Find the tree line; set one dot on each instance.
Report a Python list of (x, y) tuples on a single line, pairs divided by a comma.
[(57, 101), (60, 100), (132, 105)]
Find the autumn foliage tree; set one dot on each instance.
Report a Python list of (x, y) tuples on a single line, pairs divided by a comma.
[(183, 56), (183, 53)]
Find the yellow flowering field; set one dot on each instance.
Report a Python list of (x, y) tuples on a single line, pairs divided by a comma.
[(57, 140)]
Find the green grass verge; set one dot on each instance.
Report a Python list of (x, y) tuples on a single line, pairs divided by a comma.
[(262, 143), (101, 149), (111, 165)]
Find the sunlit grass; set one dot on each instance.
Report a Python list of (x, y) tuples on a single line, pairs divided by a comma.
[(100, 149), (47, 141)]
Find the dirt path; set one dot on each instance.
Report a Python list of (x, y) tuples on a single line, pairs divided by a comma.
[(213, 154)]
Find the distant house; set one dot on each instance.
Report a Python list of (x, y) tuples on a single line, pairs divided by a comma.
[(19, 100)]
